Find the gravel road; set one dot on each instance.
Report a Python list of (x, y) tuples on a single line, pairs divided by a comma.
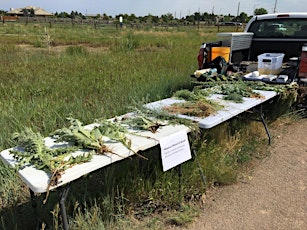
[(272, 196)]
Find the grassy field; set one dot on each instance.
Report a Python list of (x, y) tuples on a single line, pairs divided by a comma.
[(51, 73)]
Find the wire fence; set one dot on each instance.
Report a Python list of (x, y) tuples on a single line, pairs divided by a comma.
[(101, 23)]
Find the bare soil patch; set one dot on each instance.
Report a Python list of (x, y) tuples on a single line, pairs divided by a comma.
[(62, 48)]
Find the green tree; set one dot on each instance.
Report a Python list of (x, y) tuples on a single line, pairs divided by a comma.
[(72, 15), (125, 16), (190, 18), (105, 16), (167, 17), (155, 19), (25, 12), (3, 12), (131, 17), (32, 12), (243, 17), (197, 16), (260, 11)]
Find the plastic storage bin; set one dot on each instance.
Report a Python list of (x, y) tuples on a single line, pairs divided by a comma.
[(270, 63)]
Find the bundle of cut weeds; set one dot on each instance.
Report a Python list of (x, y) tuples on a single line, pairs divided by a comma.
[(196, 103), (191, 108)]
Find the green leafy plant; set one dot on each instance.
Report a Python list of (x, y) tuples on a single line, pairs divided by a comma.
[(142, 122), (81, 137), (34, 151)]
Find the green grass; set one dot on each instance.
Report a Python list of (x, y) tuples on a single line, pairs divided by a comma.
[(50, 73), (45, 86)]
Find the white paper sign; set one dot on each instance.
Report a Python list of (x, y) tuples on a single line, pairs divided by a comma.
[(175, 149)]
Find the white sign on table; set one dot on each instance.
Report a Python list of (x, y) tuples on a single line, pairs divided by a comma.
[(175, 149)]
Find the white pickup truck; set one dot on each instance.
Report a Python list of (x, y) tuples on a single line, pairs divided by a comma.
[(277, 33), (283, 33)]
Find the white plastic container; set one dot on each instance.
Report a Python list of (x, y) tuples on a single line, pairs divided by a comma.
[(270, 63)]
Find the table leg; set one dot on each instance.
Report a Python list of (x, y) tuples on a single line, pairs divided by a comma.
[(179, 181), (34, 206), (63, 197), (264, 123), (201, 172), (179, 168)]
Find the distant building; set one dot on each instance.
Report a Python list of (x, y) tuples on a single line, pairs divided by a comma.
[(29, 11)]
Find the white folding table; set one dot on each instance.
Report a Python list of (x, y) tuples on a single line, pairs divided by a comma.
[(230, 109), (38, 180)]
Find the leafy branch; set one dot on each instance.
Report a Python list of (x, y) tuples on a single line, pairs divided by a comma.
[(33, 151), (82, 137)]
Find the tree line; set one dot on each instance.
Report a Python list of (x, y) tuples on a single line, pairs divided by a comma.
[(165, 18)]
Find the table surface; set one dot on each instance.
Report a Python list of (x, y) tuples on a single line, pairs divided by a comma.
[(229, 110), (38, 180)]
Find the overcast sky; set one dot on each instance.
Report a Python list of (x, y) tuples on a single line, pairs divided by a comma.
[(179, 8)]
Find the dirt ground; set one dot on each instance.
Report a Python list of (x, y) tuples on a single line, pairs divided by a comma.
[(272, 195)]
